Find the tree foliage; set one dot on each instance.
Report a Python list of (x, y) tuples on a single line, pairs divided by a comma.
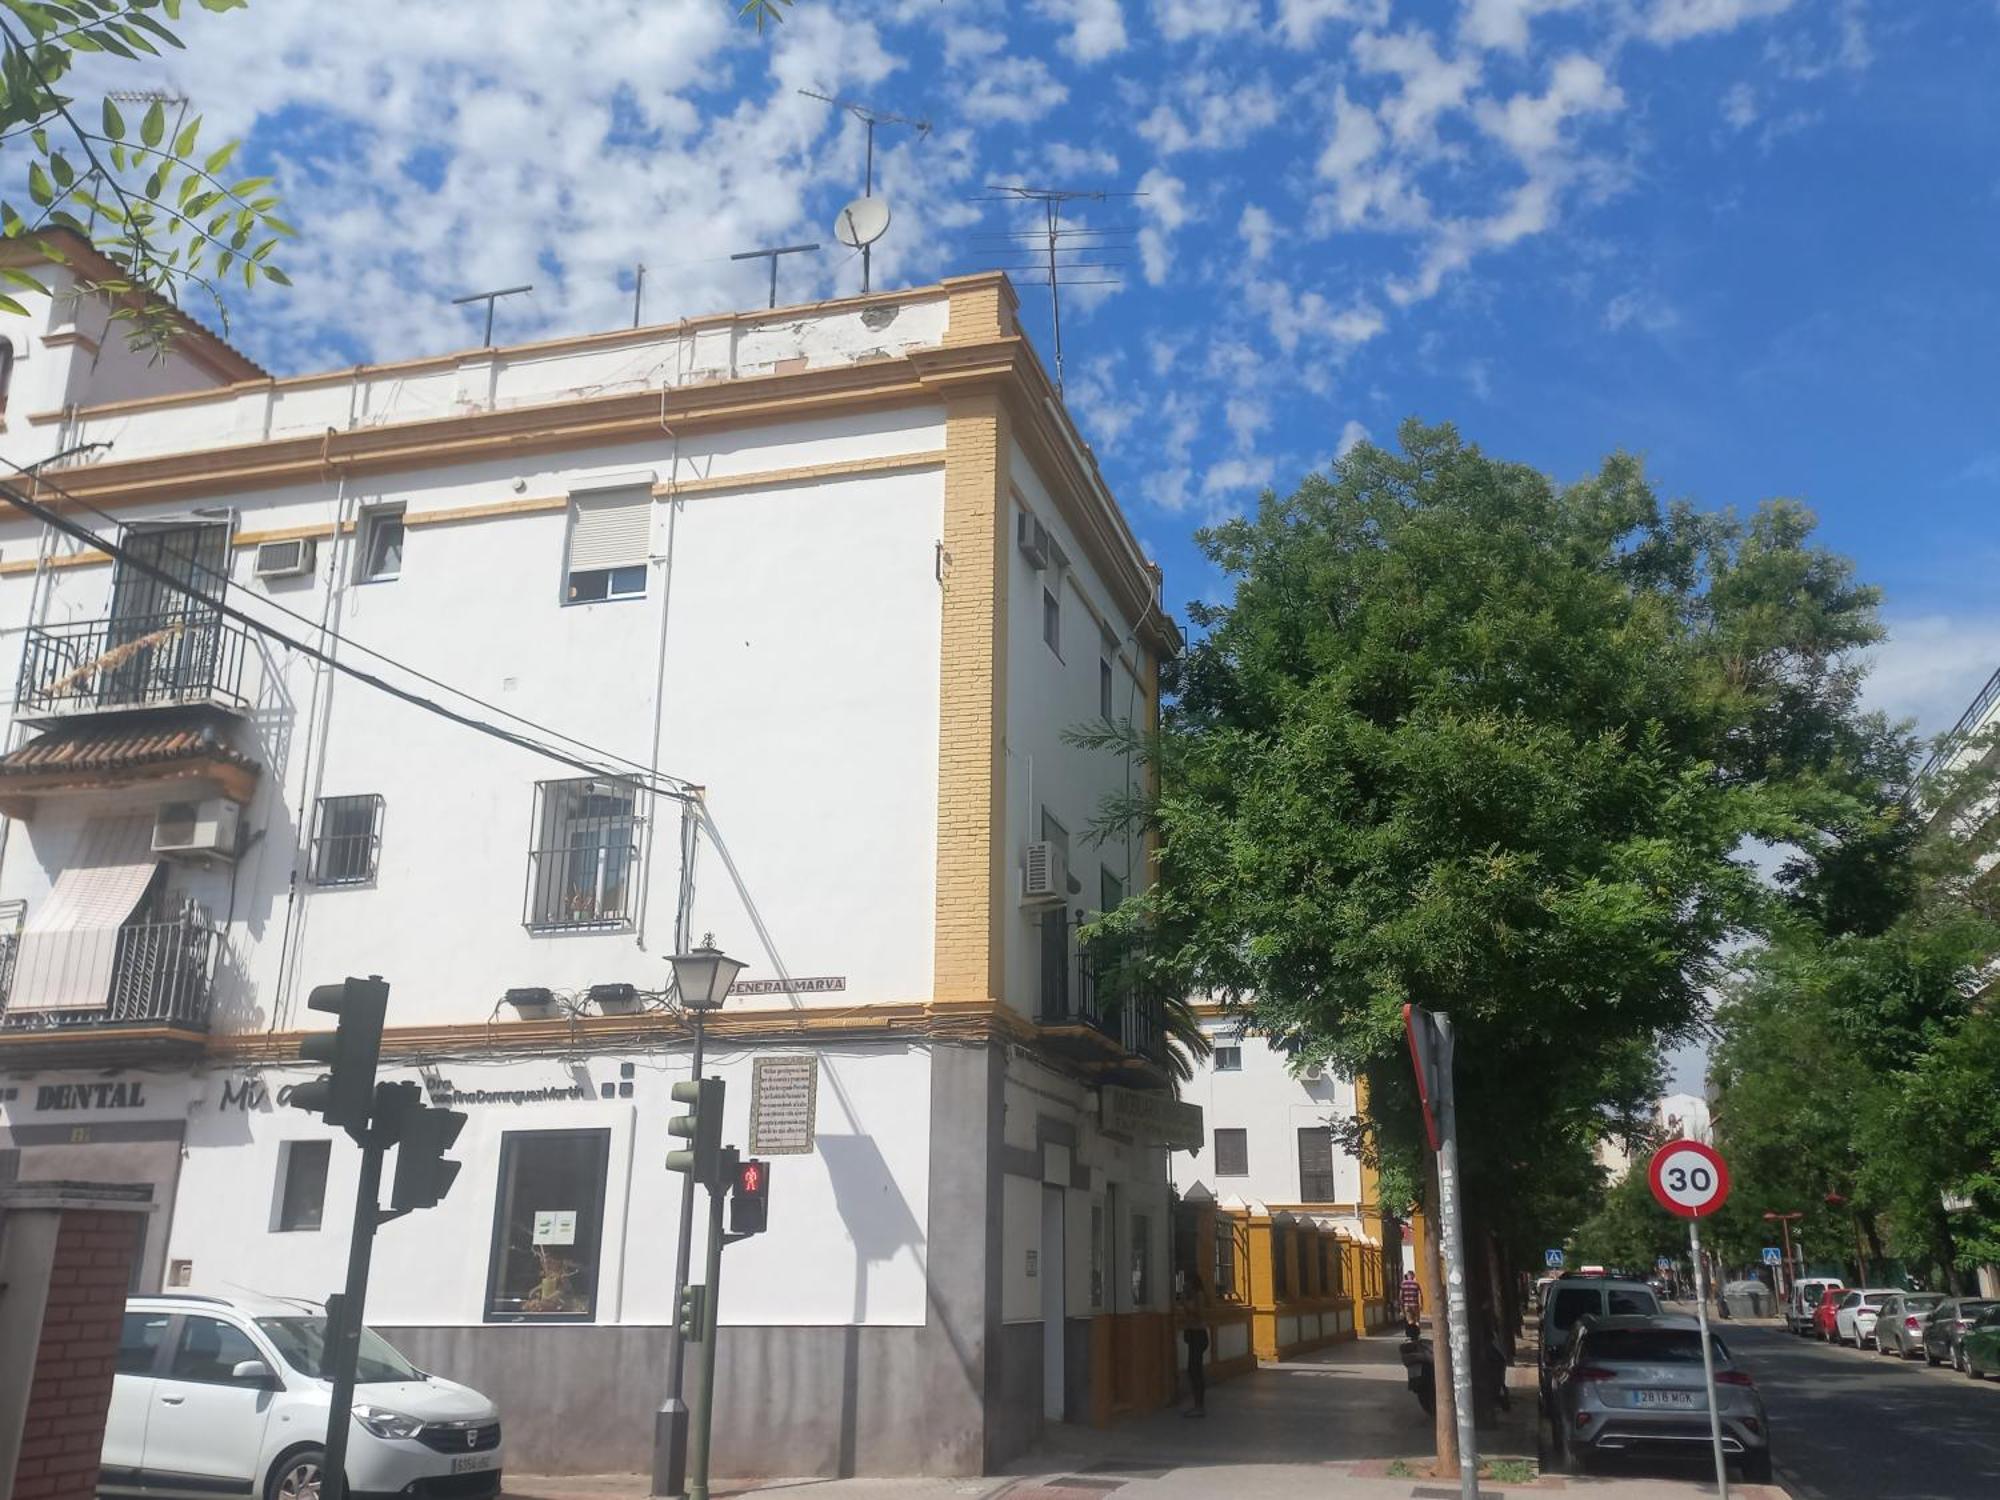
[(163, 205)]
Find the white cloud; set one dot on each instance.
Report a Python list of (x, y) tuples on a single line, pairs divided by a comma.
[(1678, 20), (1646, 311), (1257, 230), (1739, 106), (1209, 112), (1352, 436), (1502, 25), (1801, 58), (1098, 391), (1294, 316), (1302, 20), (1431, 85), (1181, 20), (1246, 419), (1931, 667), (1096, 27), (1530, 125), (1017, 90), (1169, 489), (1165, 206), (1246, 473)]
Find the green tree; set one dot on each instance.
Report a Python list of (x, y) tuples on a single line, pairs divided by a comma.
[(155, 200), (1468, 739)]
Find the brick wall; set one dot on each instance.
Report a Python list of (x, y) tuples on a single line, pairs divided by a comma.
[(77, 1356)]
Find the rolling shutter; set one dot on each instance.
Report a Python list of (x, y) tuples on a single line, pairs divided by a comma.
[(610, 529)]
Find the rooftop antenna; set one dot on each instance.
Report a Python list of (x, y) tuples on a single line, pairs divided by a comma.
[(1054, 232), (773, 255), (489, 298), (870, 117)]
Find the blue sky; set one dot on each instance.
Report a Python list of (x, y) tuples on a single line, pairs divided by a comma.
[(1753, 240)]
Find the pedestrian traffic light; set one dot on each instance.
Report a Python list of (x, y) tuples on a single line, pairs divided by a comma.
[(750, 1198), (694, 1311), (345, 1096), (701, 1127), (423, 1174)]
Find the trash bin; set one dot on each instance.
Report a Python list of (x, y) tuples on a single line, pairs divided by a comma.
[(1749, 1299)]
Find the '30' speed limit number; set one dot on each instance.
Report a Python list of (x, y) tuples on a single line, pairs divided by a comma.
[(1689, 1179)]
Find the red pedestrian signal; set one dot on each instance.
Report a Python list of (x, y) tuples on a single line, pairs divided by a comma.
[(750, 1198)]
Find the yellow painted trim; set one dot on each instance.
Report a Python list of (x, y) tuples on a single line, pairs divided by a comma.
[(65, 338), (540, 505), (899, 463), (71, 560), (320, 533)]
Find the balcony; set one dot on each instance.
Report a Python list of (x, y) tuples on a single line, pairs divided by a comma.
[(1096, 1007), (141, 990), (181, 659)]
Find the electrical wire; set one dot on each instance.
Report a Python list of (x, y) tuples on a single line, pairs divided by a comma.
[(671, 787), (658, 782)]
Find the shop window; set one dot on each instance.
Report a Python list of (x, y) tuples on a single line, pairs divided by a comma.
[(547, 1222), (302, 1184), (1142, 1261), (1232, 1153)]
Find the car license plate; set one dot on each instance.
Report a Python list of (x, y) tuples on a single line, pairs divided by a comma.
[(472, 1461), (1679, 1400)]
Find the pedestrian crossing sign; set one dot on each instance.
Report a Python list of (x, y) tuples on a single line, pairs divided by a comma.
[(1553, 1259)]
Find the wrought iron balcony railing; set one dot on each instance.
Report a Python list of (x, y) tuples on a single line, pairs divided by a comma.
[(135, 661), (1094, 985), (151, 973)]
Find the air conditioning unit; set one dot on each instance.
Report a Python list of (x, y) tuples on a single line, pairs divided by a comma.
[(1315, 1073), (1045, 876), (1033, 538), (206, 828), (287, 559)]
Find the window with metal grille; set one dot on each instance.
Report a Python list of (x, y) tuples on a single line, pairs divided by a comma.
[(347, 835), (1232, 1153), (584, 867), (1316, 1165)]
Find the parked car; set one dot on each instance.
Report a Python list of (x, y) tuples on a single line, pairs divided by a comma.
[(1854, 1320), (1946, 1327), (1570, 1300), (1633, 1384), (1899, 1327), (1823, 1315), (1802, 1302), (1979, 1347), (222, 1395)]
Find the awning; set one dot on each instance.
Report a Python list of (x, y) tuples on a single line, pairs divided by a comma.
[(70, 943)]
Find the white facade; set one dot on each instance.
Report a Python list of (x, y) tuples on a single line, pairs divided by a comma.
[(766, 683), (1286, 1116)]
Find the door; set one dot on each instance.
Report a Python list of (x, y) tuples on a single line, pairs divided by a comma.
[(205, 1433), (183, 660), (1053, 1277), (140, 1344)]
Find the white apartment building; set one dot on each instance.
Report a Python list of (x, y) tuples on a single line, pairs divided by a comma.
[(803, 601)]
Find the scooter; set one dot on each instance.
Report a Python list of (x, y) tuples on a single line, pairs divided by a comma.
[(1420, 1369)]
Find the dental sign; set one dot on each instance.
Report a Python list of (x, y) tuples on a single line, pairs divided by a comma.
[(1689, 1179)]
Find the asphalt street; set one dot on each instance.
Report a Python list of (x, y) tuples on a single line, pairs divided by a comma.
[(1848, 1425)]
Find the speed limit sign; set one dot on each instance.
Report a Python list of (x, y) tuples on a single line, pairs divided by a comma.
[(1689, 1179)]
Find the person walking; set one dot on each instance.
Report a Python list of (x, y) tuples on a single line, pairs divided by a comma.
[(1195, 1336), (1413, 1306)]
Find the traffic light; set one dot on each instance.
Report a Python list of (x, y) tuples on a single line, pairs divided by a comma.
[(701, 1127), (345, 1095), (750, 1198), (694, 1309), (423, 1175)]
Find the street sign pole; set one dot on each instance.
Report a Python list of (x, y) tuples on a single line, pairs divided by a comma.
[(1451, 1235), (342, 1344), (704, 1417), (1707, 1358), (670, 1422)]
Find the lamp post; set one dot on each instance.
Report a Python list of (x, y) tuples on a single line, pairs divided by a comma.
[(1784, 1223), (701, 982)]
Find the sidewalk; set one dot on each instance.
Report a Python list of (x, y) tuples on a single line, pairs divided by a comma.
[(1333, 1424)]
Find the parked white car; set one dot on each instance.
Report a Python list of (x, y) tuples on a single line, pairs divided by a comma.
[(222, 1396), (1803, 1300), (1854, 1319)]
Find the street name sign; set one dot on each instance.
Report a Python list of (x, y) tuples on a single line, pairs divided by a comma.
[(1689, 1179)]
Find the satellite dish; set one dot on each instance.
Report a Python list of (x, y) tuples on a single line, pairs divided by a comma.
[(862, 222)]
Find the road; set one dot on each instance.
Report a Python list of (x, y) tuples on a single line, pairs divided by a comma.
[(1849, 1425)]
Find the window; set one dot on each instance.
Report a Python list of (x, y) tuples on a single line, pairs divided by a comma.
[(546, 1221), (302, 1184), (1110, 891), (1572, 1303), (1142, 1261), (1316, 1165), (1229, 1059), (1623, 1304), (347, 835), (6, 372), (1052, 622), (1055, 937), (381, 555), (1232, 1153), (1282, 1238), (1225, 1257), (610, 538), (302, 1342), (139, 1342), (582, 869), (209, 1349), (1104, 688), (1097, 1255)]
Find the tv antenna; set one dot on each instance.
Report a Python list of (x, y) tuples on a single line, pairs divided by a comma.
[(870, 117), (772, 255), (489, 298), (1065, 246)]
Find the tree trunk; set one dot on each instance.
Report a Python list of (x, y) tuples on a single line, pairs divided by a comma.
[(1446, 1404)]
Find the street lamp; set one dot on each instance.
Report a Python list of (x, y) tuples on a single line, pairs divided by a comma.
[(701, 983), (1784, 1223)]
